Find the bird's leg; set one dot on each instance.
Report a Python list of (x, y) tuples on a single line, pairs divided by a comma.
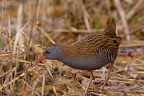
[(108, 76), (91, 78)]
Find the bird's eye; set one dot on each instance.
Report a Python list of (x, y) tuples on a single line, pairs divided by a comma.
[(47, 52)]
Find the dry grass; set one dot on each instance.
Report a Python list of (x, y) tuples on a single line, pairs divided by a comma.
[(28, 26)]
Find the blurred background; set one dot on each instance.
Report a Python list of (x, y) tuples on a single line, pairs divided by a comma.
[(28, 26)]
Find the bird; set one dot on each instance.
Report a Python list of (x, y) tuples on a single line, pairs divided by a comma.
[(91, 52)]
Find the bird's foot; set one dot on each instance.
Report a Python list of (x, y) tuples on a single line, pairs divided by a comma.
[(99, 84), (102, 83)]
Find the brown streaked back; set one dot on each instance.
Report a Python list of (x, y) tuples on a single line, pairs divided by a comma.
[(90, 43)]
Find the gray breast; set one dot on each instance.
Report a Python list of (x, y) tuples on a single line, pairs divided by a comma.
[(101, 58)]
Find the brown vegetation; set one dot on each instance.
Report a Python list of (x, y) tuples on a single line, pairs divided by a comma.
[(28, 26)]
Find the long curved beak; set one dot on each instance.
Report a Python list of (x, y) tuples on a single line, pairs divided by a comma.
[(39, 60)]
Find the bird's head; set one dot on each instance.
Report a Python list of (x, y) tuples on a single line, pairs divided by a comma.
[(52, 52)]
